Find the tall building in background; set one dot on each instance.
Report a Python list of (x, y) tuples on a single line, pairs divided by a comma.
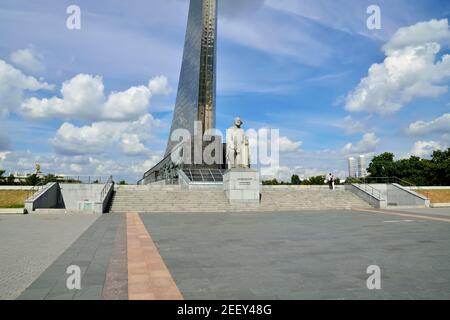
[(196, 96), (362, 166), (352, 167)]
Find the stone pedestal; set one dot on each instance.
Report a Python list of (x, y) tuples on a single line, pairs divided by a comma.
[(242, 186)]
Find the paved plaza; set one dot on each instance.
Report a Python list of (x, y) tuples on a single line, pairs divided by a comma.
[(302, 255), (30, 244)]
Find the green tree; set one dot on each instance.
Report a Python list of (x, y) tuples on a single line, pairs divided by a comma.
[(122, 182), (295, 179), (382, 165), (353, 180), (32, 180), (317, 180), (50, 178), (440, 167), (414, 170), (2, 179), (272, 182), (11, 179)]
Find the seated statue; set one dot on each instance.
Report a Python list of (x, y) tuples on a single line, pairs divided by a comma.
[(238, 149)]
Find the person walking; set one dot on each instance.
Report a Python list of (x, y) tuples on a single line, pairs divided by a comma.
[(330, 181)]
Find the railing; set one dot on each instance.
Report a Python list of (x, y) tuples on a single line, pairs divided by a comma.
[(402, 182), (369, 190), (36, 188), (106, 188), (89, 179), (167, 159)]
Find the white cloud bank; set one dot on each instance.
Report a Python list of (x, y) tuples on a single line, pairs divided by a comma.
[(104, 136), (410, 70), (83, 98), (438, 125), (119, 167), (28, 60), (287, 145), (367, 144), (352, 126), (424, 149), (13, 84)]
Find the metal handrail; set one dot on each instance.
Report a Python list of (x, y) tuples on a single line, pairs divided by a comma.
[(210, 172), (397, 180), (36, 188), (414, 187), (106, 188), (374, 192)]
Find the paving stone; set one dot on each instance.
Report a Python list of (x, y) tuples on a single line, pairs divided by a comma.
[(95, 243), (29, 244), (305, 255)]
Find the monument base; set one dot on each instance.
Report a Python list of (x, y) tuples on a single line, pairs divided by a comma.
[(242, 186)]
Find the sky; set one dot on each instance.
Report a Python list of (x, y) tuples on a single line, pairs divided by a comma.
[(99, 100)]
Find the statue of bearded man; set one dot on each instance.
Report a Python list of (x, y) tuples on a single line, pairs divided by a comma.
[(238, 150)]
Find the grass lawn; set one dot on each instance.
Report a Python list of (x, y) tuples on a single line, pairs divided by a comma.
[(13, 198), (436, 195)]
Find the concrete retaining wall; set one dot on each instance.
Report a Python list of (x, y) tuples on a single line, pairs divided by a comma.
[(391, 195), (367, 197), (70, 198), (11, 211), (301, 187), (44, 198), (72, 194), (428, 188), (400, 196), (16, 187)]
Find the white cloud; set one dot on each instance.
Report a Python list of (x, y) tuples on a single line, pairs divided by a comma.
[(416, 35), (83, 98), (446, 137), (127, 105), (287, 145), (131, 144), (13, 84), (100, 137), (74, 167), (410, 70), (284, 173), (28, 59), (424, 149), (146, 165), (159, 85), (438, 125), (367, 144), (280, 173), (352, 126), (79, 165), (3, 155)]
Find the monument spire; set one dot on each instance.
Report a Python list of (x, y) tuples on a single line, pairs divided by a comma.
[(196, 96)]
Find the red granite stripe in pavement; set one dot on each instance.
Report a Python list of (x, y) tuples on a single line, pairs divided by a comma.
[(148, 276), (116, 283)]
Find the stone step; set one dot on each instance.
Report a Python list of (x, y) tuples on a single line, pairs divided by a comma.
[(177, 200)]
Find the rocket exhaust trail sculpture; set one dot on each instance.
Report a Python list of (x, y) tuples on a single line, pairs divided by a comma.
[(195, 107), (196, 97)]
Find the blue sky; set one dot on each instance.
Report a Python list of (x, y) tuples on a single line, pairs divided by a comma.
[(312, 69)]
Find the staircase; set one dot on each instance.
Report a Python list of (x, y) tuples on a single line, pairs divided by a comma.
[(174, 199)]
